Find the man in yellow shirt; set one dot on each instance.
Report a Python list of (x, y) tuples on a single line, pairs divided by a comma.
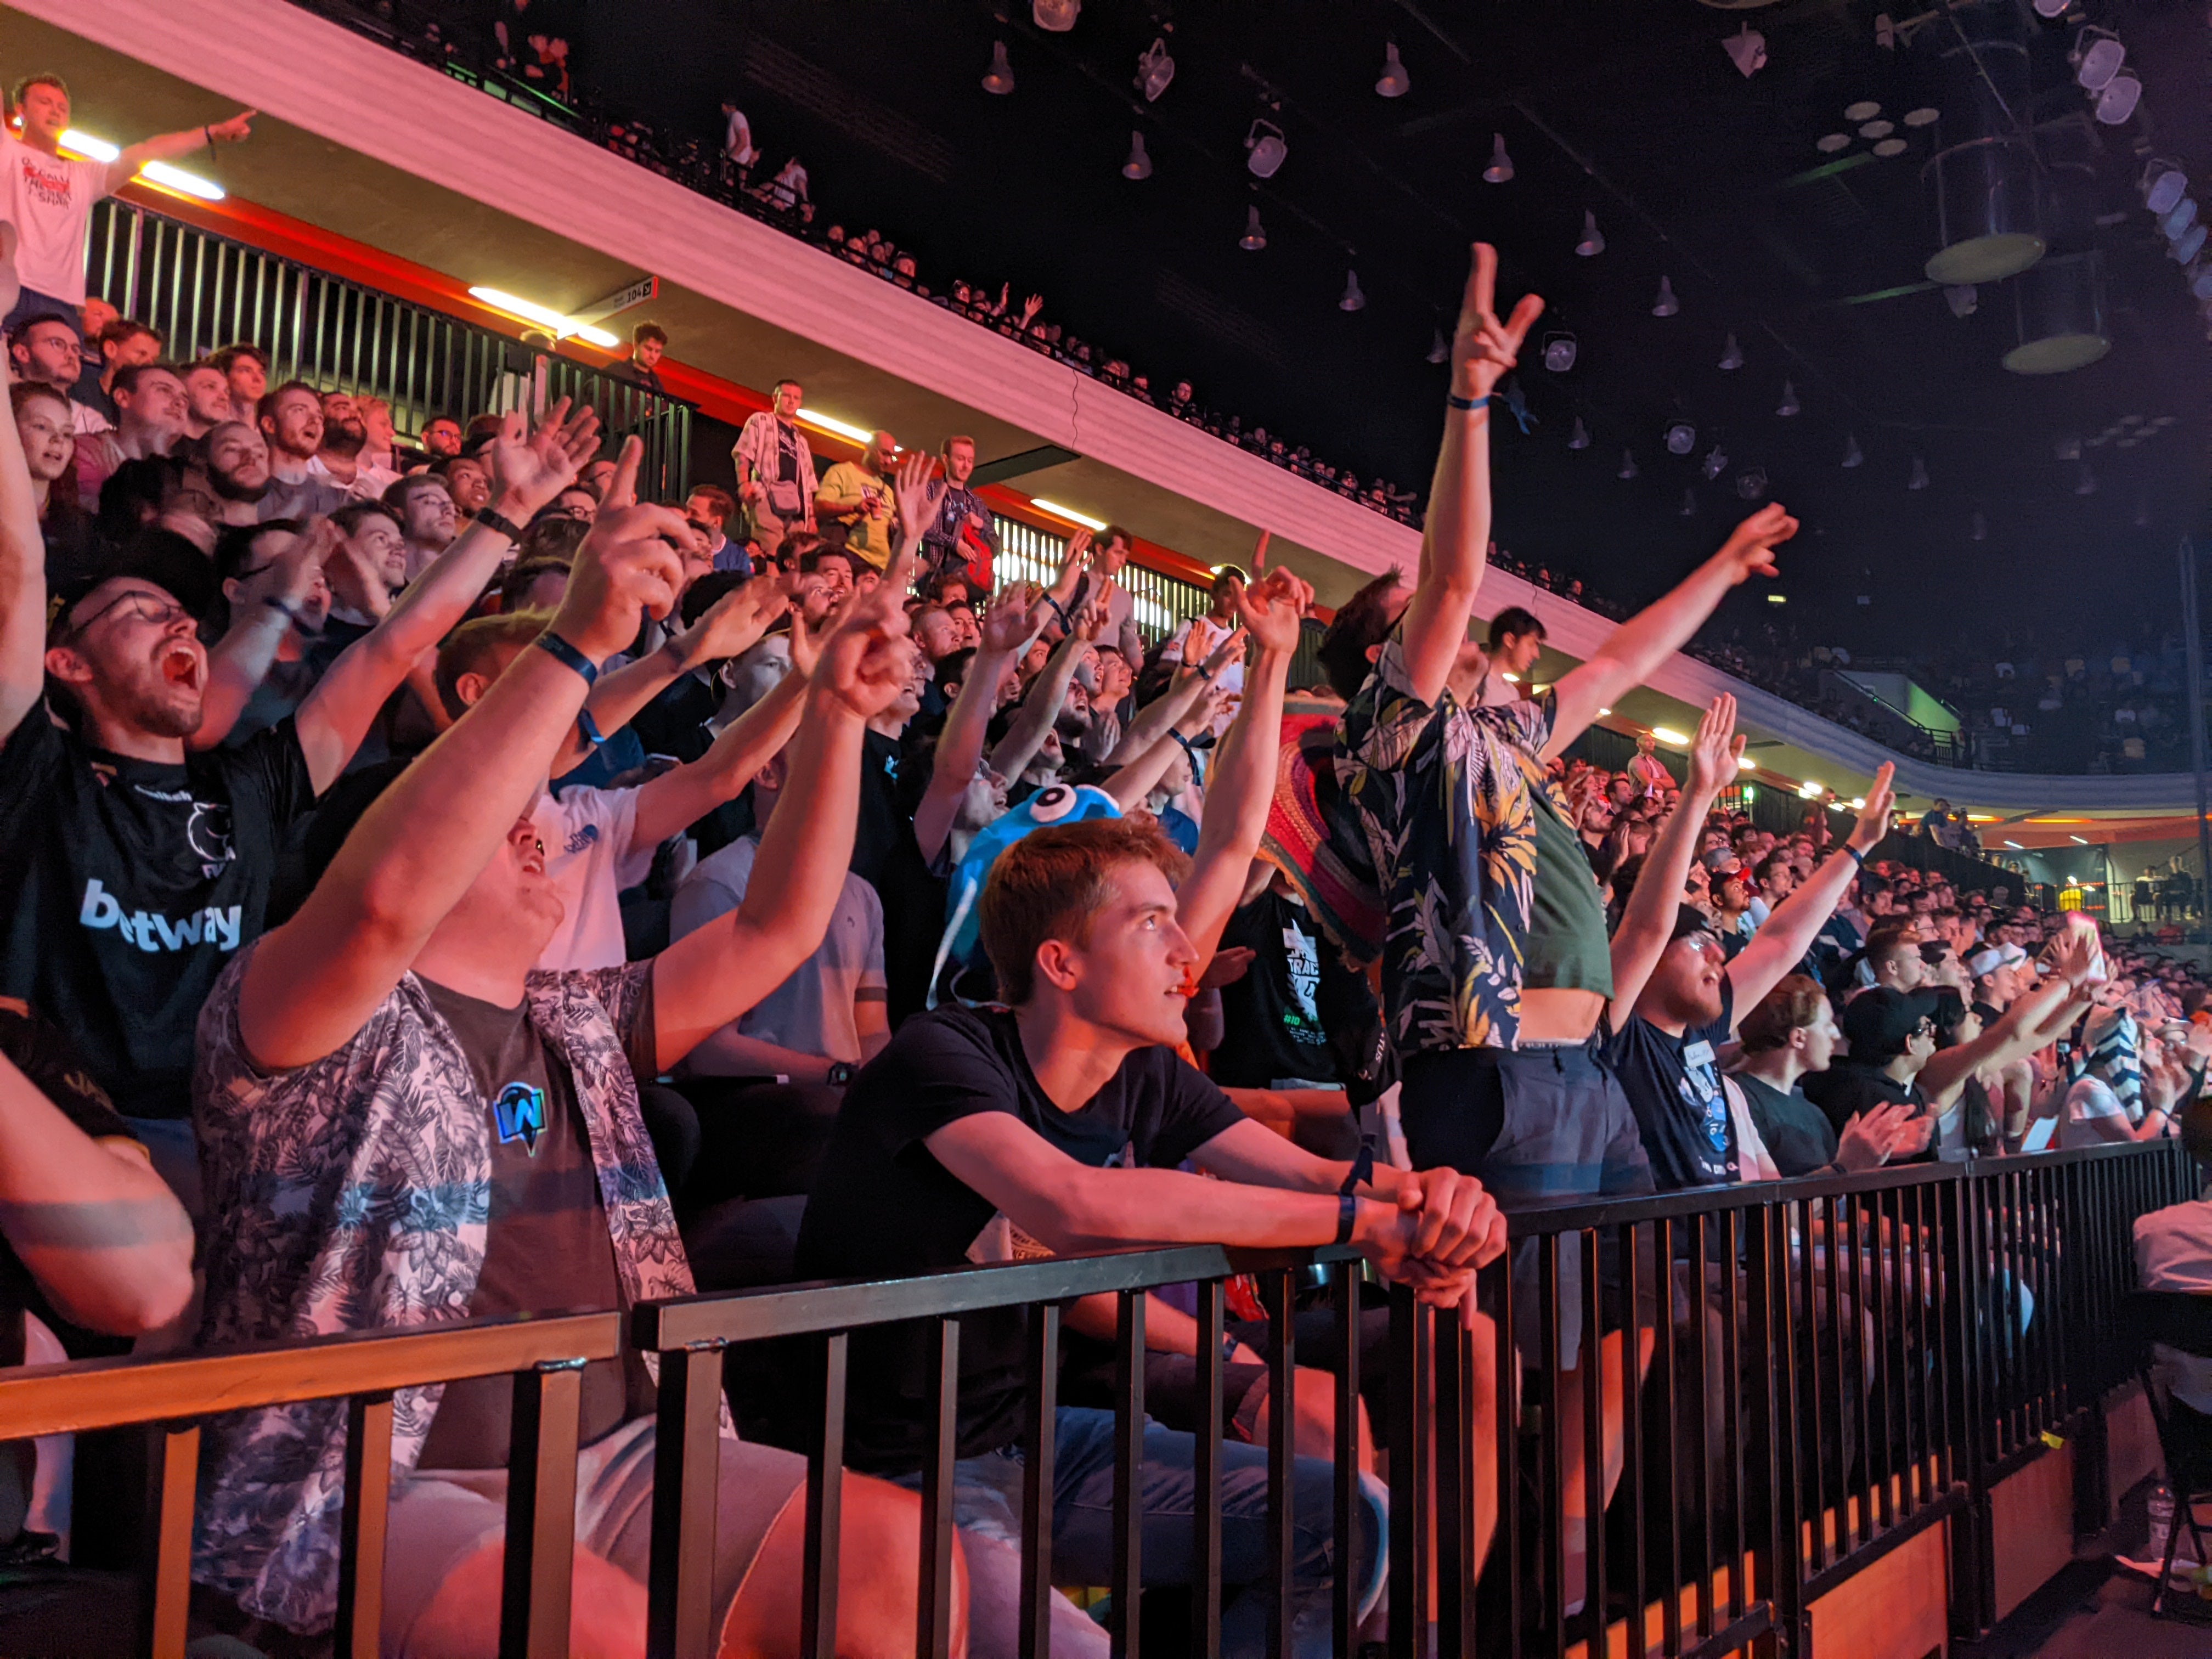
[(858, 495)]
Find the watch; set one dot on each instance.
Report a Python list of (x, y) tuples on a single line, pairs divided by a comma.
[(839, 1073)]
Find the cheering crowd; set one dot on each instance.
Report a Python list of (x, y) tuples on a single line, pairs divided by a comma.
[(445, 886)]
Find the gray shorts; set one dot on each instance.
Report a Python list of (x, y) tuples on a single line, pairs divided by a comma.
[(439, 1517)]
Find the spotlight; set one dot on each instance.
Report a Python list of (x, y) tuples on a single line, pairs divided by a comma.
[(1865, 110), (2192, 242), (1392, 81), (1439, 351), (2087, 484), (1747, 50), (2178, 218), (2163, 185), (1963, 298), (1500, 170), (1255, 234), (1000, 78), (1853, 455), (1627, 465), (1354, 299), (1154, 69), (1689, 503), (1919, 478), (1829, 143), (2200, 283), (1889, 147), (1978, 529), (1593, 242), (1666, 305), (1877, 129), (1680, 438), (1926, 116), (1751, 485), (2096, 55), (1140, 165), (1055, 16), (1267, 150), (1559, 352), (1789, 405), (1731, 354), (2118, 99), (1580, 440), (1715, 463)]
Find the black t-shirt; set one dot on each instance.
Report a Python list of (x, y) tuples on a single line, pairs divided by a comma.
[(886, 856), (546, 1246), (1675, 1089), (883, 1207), (1798, 1138), (1846, 1090), (1272, 1018), (54, 1068), (127, 886)]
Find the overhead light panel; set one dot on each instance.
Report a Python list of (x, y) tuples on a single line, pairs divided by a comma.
[(2187, 248), (1154, 69), (2080, 840), (1265, 150), (859, 434), (1140, 165), (2098, 55), (1886, 148), (559, 324), (2118, 102), (1671, 738), (1255, 234), (1926, 116), (1000, 77), (1592, 242), (1747, 50), (2176, 219), (1500, 170), (1666, 305), (2163, 185), (91, 148), (1393, 82), (1067, 513), (1778, 598), (1559, 349), (1789, 405), (1681, 437), (1731, 354), (176, 179), (2051, 8), (1354, 299), (1865, 110), (1744, 763)]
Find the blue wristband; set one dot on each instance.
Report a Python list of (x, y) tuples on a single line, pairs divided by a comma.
[(1452, 400), (591, 731), (561, 651)]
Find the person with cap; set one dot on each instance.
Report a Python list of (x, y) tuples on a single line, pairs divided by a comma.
[(139, 866), (1891, 1035), (1675, 994), (1792, 1034)]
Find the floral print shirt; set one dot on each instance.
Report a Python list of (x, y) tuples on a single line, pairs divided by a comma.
[(1441, 792), (353, 1194)]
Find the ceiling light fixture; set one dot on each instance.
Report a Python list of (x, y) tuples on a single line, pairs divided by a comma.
[(1393, 82), (1668, 735), (1267, 150), (1154, 69), (1681, 437), (1889, 147), (2051, 8), (1919, 478), (1500, 170), (1747, 50), (1580, 438), (1751, 486), (1666, 305), (1829, 143), (557, 324), (1731, 354), (97, 150), (2177, 218), (1789, 405), (859, 434), (1439, 351), (1255, 234), (1593, 241), (1926, 116), (1877, 129), (1559, 351), (2096, 55), (2191, 244), (160, 173), (1067, 513), (1354, 299), (2163, 184), (1140, 165), (1865, 110), (2118, 99), (1853, 455), (1716, 462), (2079, 840), (1000, 77)]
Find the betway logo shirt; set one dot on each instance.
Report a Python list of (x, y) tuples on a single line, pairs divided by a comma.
[(126, 887)]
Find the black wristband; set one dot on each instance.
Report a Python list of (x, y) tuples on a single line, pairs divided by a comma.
[(558, 648), (1347, 1211), (1452, 400), (285, 607), (492, 518), (1857, 857)]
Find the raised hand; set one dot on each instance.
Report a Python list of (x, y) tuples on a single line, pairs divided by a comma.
[(918, 499), (622, 488), (1484, 350), (866, 661), (1226, 967), (11, 280), (235, 131), (1750, 547), (356, 580), (1271, 608), (1874, 816), (630, 567), (291, 574), (734, 624), (1011, 621), (1714, 752), (530, 468), (1231, 649)]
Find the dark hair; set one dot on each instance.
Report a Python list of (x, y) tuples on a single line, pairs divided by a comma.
[(1795, 1003), (125, 383), (952, 667), (780, 384), (24, 85), (716, 496), (476, 644), (705, 592), (1113, 532), (810, 561), (1362, 622), (521, 575), (230, 354), (645, 331), (125, 328), (1515, 622), (23, 391), (1053, 882), (266, 409), (348, 518), (233, 544), (397, 492), (555, 538), (23, 325), (135, 491)]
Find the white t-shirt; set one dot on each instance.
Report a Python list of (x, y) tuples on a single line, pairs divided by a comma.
[(2174, 1249), (811, 1013), (589, 858), (49, 201), (2089, 1099)]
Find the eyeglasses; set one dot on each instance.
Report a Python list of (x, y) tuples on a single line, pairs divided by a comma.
[(150, 607)]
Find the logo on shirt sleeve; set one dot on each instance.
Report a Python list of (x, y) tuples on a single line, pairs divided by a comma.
[(519, 1115)]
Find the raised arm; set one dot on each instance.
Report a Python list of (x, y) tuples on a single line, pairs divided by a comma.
[(168, 146), (1646, 640), (1165, 712), (2031, 1021), (1047, 692), (416, 851), (1778, 946), (1647, 923), (1133, 780), (22, 553), (1245, 769), (1456, 538), (708, 977), (1010, 623), (528, 470), (266, 608), (680, 796)]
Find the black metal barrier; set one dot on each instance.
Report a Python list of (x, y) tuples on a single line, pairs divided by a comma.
[(1807, 1375)]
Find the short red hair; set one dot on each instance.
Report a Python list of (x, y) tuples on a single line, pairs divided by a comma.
[(1053, 882)]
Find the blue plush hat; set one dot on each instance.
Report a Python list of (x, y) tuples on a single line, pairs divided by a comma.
[(1058, 803)]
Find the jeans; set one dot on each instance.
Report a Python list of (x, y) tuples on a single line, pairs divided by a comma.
[(988, 1505)]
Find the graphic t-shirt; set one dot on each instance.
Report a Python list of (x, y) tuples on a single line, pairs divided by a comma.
[(882, 1205), (546, 1246), (49, 201), (1673, 1087), (1272, 1018), (126, 885)]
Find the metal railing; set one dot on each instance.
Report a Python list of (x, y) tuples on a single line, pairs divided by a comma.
[(204, 292), (1834, 1366)]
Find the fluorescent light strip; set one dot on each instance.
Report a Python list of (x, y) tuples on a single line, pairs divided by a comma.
[(160, 173), (1668, 736), (555, 323), (1067, 513), (859, 434)]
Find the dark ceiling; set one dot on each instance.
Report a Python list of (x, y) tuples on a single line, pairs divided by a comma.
[(1812, 260)]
